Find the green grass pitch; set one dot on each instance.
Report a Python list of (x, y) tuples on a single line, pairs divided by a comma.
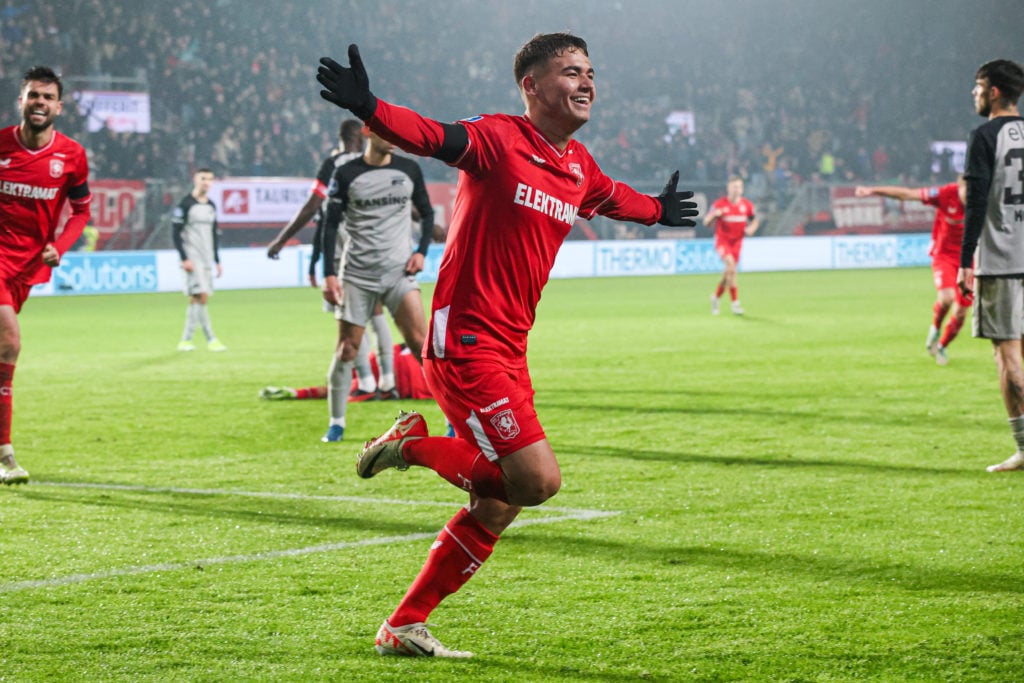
[(795, 495)]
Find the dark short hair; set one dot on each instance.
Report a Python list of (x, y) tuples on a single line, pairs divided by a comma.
[(1006, 75), (350, 129), (204, 169), (43, 74), (543, 47)]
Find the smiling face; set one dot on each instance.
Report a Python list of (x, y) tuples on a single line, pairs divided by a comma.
[(40, 104), (559, 92)]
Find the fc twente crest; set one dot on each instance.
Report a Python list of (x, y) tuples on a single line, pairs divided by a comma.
[(577, 171), (505, 423), (56, 168)]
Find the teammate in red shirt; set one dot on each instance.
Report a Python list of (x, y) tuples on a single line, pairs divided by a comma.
[(523, 180), (39, 169), (947, 234), (734, 219)]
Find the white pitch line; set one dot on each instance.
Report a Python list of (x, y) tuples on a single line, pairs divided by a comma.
[(280, 495), (569, 514)]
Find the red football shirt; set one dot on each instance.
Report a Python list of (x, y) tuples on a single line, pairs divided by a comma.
[(34, 183), (948, 228), (516, 200), (730, 226)]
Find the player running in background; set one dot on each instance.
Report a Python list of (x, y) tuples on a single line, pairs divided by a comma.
[(194, 229), (351, 144), (994, 224), (373, 195), (734, 219), (947, 236), (40, 169), (522, 182)]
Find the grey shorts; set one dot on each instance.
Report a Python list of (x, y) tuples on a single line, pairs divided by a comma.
[(998, 308), (358, 302), (199, 281)]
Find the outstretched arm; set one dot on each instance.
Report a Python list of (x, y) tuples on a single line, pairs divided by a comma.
[(298, 222), (890, 191), (349, 88)]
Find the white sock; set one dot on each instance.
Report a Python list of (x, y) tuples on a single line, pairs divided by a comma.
[(385, 350), (364, 371), (191, 320), (1017, 427), (339, 380), (203, 317)]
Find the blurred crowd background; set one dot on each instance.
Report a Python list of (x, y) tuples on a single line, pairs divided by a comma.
[(782, 91)]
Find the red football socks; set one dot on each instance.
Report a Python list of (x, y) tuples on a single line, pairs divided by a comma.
[(460, 549), (311, 392), (949, 334), (719, 291), (939, 312), (458, 462), (733, 293), (6, 403)]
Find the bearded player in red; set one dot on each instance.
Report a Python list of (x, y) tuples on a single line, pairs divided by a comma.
[(522, 182), (947, 234), (39, 169)]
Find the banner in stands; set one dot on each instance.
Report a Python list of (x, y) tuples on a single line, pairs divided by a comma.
[(275, 201), (120, 112), (258, 200), (115, 202)]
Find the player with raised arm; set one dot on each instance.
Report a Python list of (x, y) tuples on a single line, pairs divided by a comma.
[(947, 236), (734, 219), (40, 169), (523, 180), (994, 226)]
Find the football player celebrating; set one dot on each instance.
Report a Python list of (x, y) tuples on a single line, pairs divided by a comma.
[(40, 169), (522, 182)]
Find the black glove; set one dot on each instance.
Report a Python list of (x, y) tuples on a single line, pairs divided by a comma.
[(347, 88), (674, 211)]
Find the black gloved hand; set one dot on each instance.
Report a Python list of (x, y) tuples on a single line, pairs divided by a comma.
[(348, 88), (675, 211)]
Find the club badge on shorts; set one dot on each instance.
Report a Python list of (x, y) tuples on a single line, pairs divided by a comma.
[(505, 423)]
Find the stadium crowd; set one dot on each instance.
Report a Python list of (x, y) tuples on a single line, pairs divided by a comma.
[(776, 99)]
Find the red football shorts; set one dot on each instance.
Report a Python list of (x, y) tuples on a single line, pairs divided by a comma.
[(726, 247), (13, 293), (944, 273), (490, 403)]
